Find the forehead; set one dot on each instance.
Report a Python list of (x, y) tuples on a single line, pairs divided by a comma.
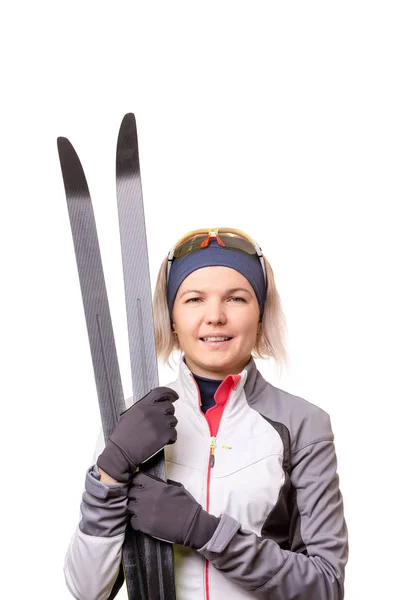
[(215, 278)]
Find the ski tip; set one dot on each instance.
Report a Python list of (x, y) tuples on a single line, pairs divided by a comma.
[(127, 163), (128, 119), (127, 127), (71, 167), (64, 145)]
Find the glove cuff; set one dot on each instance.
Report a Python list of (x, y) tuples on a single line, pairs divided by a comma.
[(114, 462), (202, 529)]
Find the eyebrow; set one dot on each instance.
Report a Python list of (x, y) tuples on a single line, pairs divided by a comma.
[(230, 291)]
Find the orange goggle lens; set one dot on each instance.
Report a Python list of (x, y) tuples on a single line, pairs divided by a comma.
[(228, 238)]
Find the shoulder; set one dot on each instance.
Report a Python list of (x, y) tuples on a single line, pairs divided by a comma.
[(306, 422)]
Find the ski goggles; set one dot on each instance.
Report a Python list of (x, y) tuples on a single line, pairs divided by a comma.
[(226, 238)]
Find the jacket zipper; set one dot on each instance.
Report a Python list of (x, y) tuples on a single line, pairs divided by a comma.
[(211, 463), (212, 452)]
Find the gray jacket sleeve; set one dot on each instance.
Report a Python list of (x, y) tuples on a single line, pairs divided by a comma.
[(306, 564), (93, 560)]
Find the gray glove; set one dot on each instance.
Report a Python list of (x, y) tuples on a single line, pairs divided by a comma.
[(143, 430), (166, 510)]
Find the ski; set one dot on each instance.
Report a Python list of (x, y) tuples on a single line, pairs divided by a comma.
[(93, 287), (157, 567), (99, 327)]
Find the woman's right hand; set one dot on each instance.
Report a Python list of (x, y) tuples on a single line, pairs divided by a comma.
[(143, 430)]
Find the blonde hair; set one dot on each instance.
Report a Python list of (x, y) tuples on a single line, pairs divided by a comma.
[(270, 342)]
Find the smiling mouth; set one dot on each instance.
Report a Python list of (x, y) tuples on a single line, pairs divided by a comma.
[(215, 339)]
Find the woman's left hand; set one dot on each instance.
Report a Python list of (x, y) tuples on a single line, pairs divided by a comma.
[(166, 510)]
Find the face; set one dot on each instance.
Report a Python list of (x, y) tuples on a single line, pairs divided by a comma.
[(214, 303)]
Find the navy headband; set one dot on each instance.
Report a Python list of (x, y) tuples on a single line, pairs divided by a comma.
[(217, 256)]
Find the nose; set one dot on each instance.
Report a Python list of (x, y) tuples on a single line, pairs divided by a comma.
[(215, 313)]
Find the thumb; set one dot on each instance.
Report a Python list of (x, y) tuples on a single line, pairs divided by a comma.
[(161, 394), (172, 482)]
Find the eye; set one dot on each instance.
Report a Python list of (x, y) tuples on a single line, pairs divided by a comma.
[(192, 300), (236, 299)]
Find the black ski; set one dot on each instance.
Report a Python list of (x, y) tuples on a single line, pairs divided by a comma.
[(157, 564), (99, 326)]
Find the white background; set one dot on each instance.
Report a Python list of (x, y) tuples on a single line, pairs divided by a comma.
[(280, 118)]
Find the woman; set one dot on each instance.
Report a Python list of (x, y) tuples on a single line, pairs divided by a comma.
[(260, 511)]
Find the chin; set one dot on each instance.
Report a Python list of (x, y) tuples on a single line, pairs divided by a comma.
[(226, 367)]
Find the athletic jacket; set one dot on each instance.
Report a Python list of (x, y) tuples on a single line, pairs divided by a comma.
[(263, 460)]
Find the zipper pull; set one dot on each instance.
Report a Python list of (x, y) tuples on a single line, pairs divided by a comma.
[(212, 455)]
